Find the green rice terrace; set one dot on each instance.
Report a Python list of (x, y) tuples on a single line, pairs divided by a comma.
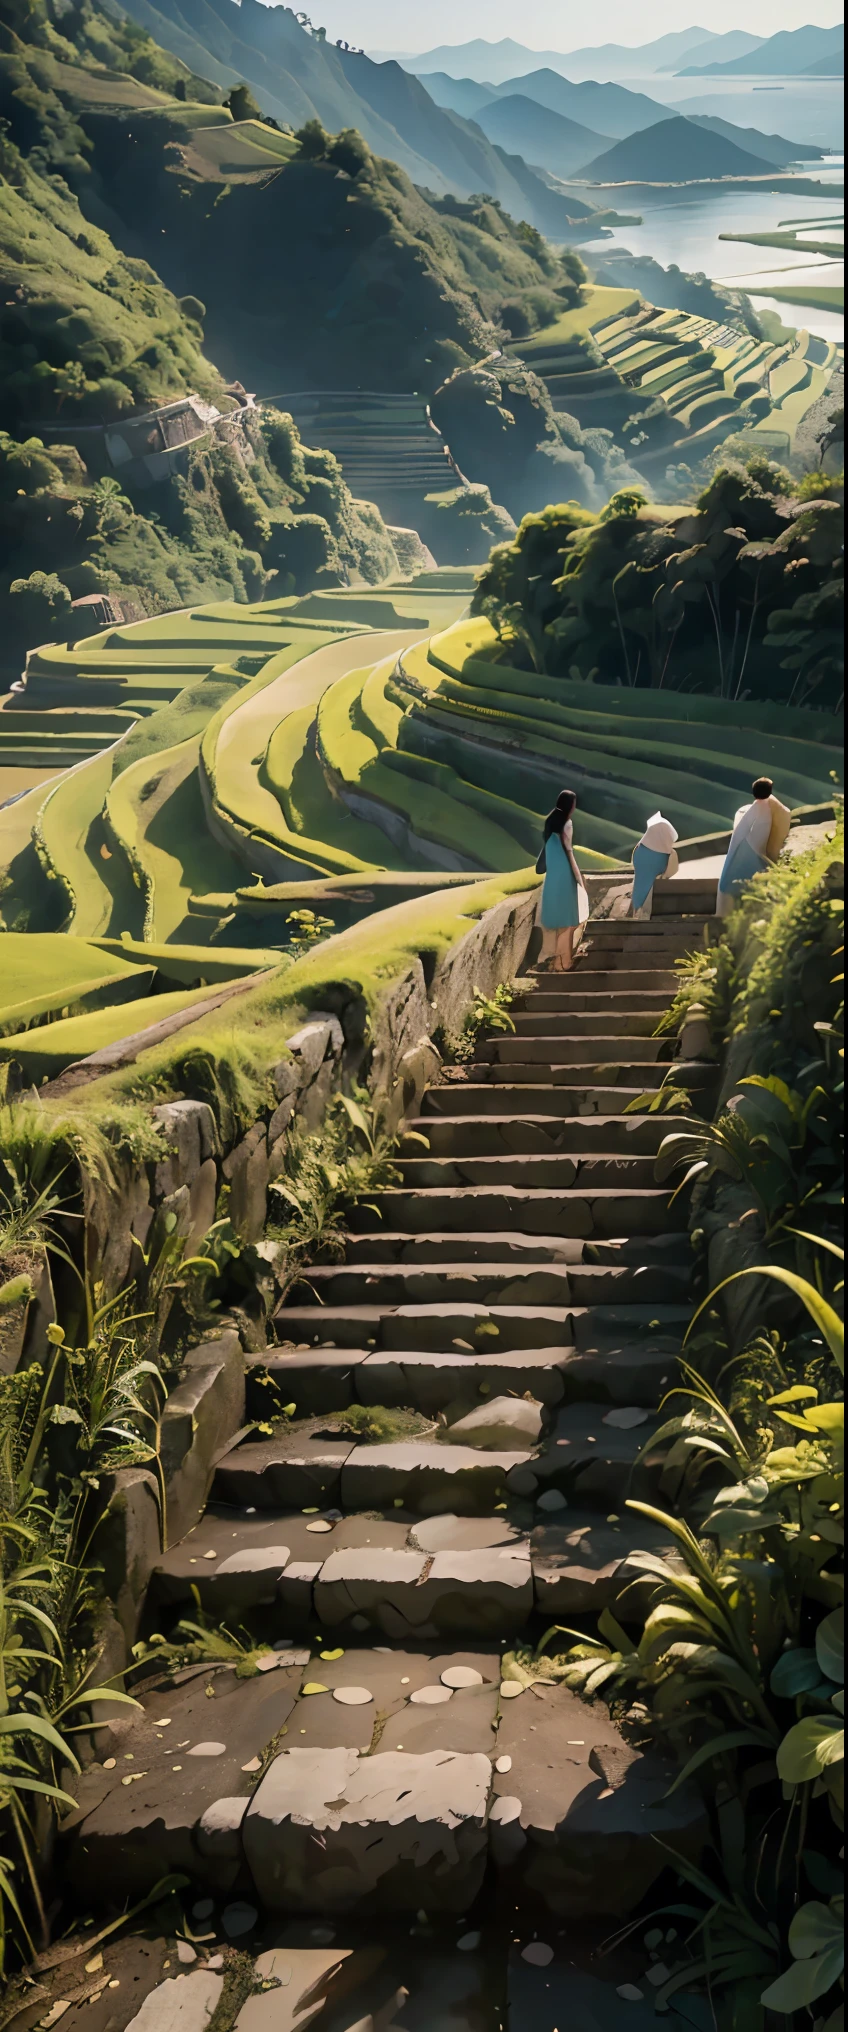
[(335, 752), (673, 386)]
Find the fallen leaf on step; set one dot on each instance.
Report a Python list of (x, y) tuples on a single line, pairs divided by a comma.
[(313, 1686)]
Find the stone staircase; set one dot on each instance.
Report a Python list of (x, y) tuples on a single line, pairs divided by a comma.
[(471, 1385)]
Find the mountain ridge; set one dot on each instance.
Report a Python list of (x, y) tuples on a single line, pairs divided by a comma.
[(790, 51), (675, 151)]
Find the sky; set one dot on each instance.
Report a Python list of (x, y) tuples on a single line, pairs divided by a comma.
[(553, 24)]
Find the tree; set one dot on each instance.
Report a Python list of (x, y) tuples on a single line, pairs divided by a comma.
[(41, 607), (242, 105), (313, 141)]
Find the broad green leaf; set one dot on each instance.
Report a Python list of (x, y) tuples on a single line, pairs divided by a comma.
[(830, 1646), (815, 1928), (803, 1982), (809, 1748), (795, 1672)]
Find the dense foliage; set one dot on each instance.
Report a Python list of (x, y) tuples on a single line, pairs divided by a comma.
[(250, 512), (741, 595), (498, 419)]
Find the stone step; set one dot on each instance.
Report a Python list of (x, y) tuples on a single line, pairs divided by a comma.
[(493, 1135), (421, 1476), (559, 990), (629, 1001), (481, 1576), (385, 1246), (581, 1169), (633, 1076), (346, 1816), (553, 1048), (614, 1021), (499, 1095), (605, 1211), (623, 1368), (338, 1286), (608, 957), (644, 931)]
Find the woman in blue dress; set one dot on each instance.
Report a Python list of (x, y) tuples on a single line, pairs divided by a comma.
[(564, 898)]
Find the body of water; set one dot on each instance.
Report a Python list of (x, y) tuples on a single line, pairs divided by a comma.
[(686, 231)]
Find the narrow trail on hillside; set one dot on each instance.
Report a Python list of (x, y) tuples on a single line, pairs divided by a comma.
[(390, 1786)]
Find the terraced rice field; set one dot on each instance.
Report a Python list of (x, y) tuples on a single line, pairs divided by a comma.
[(351, 738), (613, 360), (387, 446)]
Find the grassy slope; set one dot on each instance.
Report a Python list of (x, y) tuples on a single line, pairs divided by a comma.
[(374, 954)]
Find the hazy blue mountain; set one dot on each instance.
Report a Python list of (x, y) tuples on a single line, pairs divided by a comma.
[(461, 95), (830, 66), (719, 49), (496, 62), (525, 128), (774, 148), (606, 109), (675, 151), (788, 54)]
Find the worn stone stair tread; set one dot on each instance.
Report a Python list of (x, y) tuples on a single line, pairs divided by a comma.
[(380, 1246), (337, 1821), (567, 1047), (569, 1101), (438, 1324), (493, 1134), (584, 1171), (496, 1284), (588, 1460), (600, 1991), (594, 1818), (602, 1210), (632, 1077)]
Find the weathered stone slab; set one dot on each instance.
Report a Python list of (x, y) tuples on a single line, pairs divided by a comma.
[(584, 1565), (296, 1469), (183, 2004), (589, 1811), (138, 1820), (335, 1831), (375, 1979), (426, 1478), (200, 1416)]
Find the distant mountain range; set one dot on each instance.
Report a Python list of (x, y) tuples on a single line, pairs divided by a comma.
[(673, 151), (795, 52), (494, 62), (605, 109)]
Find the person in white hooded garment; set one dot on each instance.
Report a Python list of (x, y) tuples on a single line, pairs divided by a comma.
[(759, 832), (655, 855)]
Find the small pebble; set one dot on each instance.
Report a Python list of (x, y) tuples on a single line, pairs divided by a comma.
[(630, 1993), (323, 1936), (185, 1952), (210, 1555), (430, 1696), (503, 1764), (504, 1810), (238, 1918), (552, 1499), (468, 1942), (352, 1696), (208, 1750), (658, 1974), (215, 1961), (461, 1675), (109, 1763), (320, 1524), (537, 1953), (626, 1416), (254, 1765)]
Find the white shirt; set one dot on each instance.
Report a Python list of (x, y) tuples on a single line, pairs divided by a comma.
[(753, 824)]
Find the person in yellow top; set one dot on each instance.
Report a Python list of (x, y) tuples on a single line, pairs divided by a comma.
[(760, 831)]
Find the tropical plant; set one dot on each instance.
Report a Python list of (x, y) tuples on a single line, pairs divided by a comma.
[(326, 1173), (487, 1013)]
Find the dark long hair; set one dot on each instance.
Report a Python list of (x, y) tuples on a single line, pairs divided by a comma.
[(561, 813)]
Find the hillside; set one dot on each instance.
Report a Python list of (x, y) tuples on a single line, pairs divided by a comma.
[(674, 151), (298, 76), (789, 53), (540, 135)]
